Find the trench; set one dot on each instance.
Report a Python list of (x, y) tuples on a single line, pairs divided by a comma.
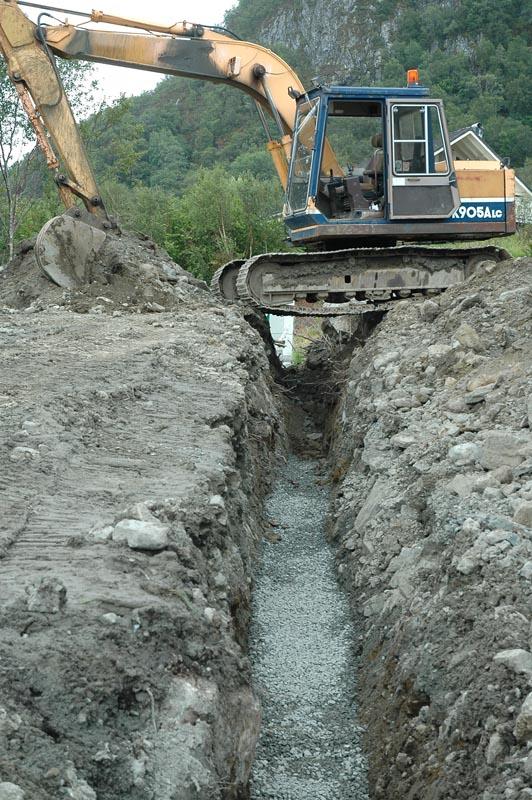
[(303, 639)]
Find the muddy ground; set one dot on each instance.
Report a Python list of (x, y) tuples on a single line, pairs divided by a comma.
[(137, 432)]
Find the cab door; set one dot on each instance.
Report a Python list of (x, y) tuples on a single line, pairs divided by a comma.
[(421, 178)]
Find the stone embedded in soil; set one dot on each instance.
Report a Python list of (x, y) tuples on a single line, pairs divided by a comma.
[(10, 791), (99, 535), (502, 449), (518, 660), (77, 788), (468, 337), (48, 596), (141, 534), (523, 514), (523, 723), (495, 749)]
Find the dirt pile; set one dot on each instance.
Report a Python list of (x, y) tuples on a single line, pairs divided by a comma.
[(433, 523), (136, 445), (131, 273)]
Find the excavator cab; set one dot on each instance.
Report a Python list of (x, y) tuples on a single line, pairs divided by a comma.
[(393, 163)]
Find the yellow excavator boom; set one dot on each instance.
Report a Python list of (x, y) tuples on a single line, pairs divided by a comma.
[(186, 49)]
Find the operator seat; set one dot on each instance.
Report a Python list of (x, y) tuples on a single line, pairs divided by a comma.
[(372, 180)]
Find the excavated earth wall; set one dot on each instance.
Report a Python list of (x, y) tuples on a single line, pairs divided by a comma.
[(432, 458), (138, 429), (137, 436)]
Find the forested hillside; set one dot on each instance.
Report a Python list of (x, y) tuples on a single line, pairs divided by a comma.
[(473, 53), (161, 155)]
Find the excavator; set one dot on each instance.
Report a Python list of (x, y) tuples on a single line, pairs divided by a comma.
[(360, 234)]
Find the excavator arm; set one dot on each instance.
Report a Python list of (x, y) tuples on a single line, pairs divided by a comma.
[(34, 76), (182, 49)]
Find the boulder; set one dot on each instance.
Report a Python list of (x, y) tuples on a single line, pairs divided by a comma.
[(523, 723), (380, 495), (523, 514), (500, 449), (10, 791), (518, 660), (468, 337), (495, 749), (464, 453), (142, 534), (429, 310), (48, 596)]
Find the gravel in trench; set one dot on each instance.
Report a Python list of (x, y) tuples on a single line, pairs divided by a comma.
[(302, 654)]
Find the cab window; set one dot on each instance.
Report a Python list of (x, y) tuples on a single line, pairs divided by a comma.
[(418, 142)]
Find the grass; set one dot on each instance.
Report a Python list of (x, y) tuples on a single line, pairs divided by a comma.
[(518, 244), (303, 338)]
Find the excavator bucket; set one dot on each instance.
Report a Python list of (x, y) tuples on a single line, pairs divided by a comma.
[(66, 248)]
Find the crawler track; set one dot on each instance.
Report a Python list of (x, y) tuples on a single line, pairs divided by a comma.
[(354, 281)]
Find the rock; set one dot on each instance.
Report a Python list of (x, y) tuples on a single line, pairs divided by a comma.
[(372, 505), (483, 379), (48, 596), (523, 514), (503, 474), (440, 354), (529, 410), (470, 301), (403, 440), (217, 501), (478, 395), (528, 766), (78, 789), (465, 453), (501, 448), (510, 294), (467, 564), (110, 619), (384, 359), (495, 749), (526, 570), (462, 485), (523, 723), (429, 310), (456, 405), (468, 337), (23, 454), (10, 791), (139, 511), (99, 535), (405, 401), (518, 660), (141, 534), (209, 614)]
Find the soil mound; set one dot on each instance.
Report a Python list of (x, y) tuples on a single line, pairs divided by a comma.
[(130, 274)]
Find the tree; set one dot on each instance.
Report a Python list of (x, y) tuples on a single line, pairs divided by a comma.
[(19, 170), (220, 217)]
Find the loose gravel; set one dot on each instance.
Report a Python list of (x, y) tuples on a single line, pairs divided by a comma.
[(303, 654)]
